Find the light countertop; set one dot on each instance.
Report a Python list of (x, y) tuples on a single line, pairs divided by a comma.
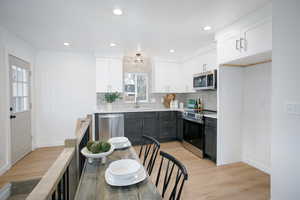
[(125, 110), (147, 109)]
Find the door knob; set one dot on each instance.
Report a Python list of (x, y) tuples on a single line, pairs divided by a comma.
[(13, 116)]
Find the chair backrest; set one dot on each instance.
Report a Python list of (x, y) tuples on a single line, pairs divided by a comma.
[(148, 152), (170, 179)]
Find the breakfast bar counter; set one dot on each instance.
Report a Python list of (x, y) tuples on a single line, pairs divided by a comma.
[(93, 186)]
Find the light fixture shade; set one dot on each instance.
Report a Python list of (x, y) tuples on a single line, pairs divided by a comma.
[(138, 59)]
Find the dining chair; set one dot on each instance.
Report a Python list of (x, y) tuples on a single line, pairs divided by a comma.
[(176, 179), (148, 152)]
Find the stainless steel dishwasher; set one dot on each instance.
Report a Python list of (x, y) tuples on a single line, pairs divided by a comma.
[(109, 125)]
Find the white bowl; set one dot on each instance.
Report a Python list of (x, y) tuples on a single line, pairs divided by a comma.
[(124, 168), (89, 154), (120, 142), (113, 181)]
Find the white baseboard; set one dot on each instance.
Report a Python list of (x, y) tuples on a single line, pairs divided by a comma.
[(5, 192), (258, 165)]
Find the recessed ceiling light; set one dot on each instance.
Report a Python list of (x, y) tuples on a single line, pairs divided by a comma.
[(117, 11), (67, 44), (207, 28), (172, 51), (112, 44)]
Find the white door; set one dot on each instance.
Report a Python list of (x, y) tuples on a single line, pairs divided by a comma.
[(21, 140)]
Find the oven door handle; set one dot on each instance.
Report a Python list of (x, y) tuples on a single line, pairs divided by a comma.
[(192, 120)]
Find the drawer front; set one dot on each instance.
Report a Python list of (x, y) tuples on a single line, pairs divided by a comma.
[(211, 122), (168, 124), (140, 115), (167, 133), (167, 115)]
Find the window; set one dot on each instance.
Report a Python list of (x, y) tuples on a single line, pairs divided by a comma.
[(20, 89), (136, 87)]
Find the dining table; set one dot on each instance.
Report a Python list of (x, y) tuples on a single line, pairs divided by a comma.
[(93, 186)]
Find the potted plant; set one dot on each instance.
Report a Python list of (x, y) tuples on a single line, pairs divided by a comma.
[(111, 97)]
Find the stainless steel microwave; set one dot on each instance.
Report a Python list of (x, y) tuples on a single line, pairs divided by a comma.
[(205, 81)]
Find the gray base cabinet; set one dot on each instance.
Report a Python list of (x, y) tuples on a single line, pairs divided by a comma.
[(163, 126), (210, 137), (179, 126), (138, 124), (167, 126)]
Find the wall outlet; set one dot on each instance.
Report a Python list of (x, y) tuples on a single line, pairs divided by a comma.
[(292, 108)]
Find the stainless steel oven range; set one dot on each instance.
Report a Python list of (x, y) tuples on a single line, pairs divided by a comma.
[(193, 132)]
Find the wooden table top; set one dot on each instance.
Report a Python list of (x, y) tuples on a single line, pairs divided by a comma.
[(92, 185)]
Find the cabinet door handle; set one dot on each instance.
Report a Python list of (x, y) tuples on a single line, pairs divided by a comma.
[(13, 116), (237, 44), (243, 43)]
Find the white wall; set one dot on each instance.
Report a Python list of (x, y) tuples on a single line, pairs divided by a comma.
[(256, 127), (285, 179), (9, 44), (65, 91)]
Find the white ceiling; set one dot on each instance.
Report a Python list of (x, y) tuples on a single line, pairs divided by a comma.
[(89, 25)]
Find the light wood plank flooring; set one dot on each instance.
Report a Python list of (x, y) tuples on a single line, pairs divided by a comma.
[(237, 181), (32, 166)]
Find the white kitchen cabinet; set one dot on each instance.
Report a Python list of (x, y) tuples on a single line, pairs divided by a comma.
[(248, 43), (168, 78), (257, 38), (194, 65), (109, 75), (228, 47)]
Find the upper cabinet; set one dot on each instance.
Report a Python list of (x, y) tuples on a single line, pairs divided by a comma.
[(109, 75), (257, 38), (248, 41), (202, 62), (177, 77), (167, 77)]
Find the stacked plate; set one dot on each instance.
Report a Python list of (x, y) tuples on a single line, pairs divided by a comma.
[(124, 172), (120, 142)]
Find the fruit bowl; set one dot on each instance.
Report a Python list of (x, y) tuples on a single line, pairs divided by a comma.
[(89, 154)]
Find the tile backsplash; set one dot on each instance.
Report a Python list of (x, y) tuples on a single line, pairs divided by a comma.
[(209, 99)]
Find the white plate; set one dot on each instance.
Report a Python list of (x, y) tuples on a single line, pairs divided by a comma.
[(89, 154), (120, 142), (124, 168), (113, 181)]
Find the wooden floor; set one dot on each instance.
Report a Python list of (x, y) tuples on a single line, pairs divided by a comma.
[(206, 181), (32, 166), (237, 181)]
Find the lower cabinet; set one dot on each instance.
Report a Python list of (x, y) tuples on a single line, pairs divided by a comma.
[(138, 124), (179, 126), (160, 125), (163, 126), (133, 130), (167, 126), (210, 137)]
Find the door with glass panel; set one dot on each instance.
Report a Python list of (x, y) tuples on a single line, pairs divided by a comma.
[(20, 108)]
